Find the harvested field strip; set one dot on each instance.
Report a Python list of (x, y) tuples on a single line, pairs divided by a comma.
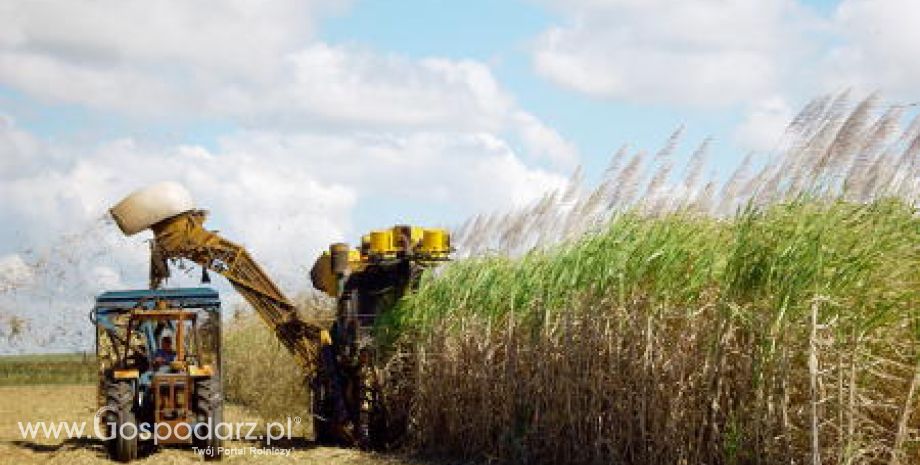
[(48, 369)]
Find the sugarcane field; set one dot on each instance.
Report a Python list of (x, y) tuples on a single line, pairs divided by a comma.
[(450, 233)]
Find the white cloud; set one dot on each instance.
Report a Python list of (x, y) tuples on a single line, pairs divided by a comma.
[(152, 59), (868, 46), (326, 129), (689, 52), (255, 64), (877, 48), (543, 141), (764, 124), (319, 85), (237, 36), (466, 172), (349, 85), (271, 204), (756, 57), (18, 147), (117, 88), (284, 196)]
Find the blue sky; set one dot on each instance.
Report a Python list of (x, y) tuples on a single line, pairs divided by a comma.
[(502, 34)]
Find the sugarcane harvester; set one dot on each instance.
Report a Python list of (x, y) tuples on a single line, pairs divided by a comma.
[(366, 283), (340, 361)]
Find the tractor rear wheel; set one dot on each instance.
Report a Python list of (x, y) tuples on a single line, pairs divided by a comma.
[(210, 407), (120, 400)]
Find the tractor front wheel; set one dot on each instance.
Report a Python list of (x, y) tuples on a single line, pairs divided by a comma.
[(210, 407), (120, 400)]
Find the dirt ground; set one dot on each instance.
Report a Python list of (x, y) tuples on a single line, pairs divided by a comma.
[(78, 404)]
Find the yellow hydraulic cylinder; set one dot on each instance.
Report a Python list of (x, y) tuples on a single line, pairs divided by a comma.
[(435, 242), (381, 242)]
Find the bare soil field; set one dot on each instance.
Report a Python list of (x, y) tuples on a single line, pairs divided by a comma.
[(76, 403)]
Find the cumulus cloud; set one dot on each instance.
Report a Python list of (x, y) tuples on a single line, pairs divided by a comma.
[(321, 130), (877, 47), (474, 171), (319, 85), (753, 56), (237, 36), (545, 142), (696, 52), (764, 124), (867, 46), (357, 87), (272, 203), (256, 64), (19, 148), (285, 196), (144, 58)]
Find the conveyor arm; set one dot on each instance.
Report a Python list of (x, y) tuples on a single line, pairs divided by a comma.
[(184, 236)]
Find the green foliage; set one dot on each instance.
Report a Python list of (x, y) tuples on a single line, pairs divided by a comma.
[(770, 261)]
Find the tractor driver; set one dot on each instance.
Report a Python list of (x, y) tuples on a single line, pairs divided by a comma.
[(165, 354)]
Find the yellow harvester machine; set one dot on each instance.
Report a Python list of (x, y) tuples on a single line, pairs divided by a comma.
[(341, 360), (366, 282)]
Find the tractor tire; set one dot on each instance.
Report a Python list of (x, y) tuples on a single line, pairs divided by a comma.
[(209, 404), (120, 400)]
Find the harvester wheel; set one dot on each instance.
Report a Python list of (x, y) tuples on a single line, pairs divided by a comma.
[(397, 378), (120, 400), (322, 418), (373, 421), (371, 413), (210, 406)]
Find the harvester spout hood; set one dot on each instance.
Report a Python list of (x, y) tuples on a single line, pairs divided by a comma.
[(150, 205)]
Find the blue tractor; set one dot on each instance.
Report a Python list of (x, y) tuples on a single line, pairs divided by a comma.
[(158, 353)]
